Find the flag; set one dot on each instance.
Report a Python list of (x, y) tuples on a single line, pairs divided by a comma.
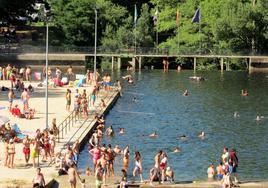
[(178, 18), (155, 17), (197, 16), (135, 16)]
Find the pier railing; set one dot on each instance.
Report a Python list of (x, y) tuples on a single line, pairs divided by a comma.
[(6, 49), (66, 124)]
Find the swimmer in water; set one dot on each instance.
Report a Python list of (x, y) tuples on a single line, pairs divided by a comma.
[(259, 118), (182, 137), (244, 92), (177, 150), (236, 114), (129, 79), (121, 130), (109, 131), (202, 135), (134, 99), (153, 135), (186, 93)]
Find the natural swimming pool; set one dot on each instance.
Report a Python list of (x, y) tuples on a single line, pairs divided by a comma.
[(160, 107)]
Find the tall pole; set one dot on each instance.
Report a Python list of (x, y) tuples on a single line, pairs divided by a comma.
[(135, 33), (200, 42), (95, 50), (46, 73)]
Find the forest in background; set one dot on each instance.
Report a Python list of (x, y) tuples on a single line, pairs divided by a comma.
[(225, 26)]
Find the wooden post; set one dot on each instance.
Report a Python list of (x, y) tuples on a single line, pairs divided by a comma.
[(139, 63), (134, 62), (249, 64), (119, 63), (112, 62), (221, 64), (194, 63)]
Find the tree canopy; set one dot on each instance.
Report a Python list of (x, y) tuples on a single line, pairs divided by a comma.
[(226, 26)]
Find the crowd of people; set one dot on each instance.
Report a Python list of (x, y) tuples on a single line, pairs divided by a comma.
[(226, 171)]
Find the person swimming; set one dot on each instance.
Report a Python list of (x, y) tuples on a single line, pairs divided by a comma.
[(109, 131), (121, 130), (259, 118), (197, 78), (153, 135), (186, 93), (236, 114), (182, 137), (176, 150), (244, 92), (202, 135)]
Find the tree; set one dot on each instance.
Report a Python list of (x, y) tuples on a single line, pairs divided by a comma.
[(16, 11)]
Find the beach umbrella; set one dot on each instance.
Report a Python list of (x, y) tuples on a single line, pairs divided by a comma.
[(3, 120)]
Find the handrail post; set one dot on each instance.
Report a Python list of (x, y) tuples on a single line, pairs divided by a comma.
[(65, 126), (69, 123), (62, 131), (58, 134)]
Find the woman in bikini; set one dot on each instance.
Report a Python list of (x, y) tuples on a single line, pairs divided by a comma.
[(11, 153)]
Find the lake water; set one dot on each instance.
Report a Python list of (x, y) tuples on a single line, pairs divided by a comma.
[(210, 106)]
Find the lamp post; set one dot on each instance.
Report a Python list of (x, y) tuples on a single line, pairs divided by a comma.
[(46, 18), (95, 48)]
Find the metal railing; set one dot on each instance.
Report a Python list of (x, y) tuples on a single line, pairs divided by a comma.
[(6, 49), (66, 124), (72, 118)]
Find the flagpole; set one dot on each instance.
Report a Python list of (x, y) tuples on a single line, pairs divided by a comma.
[(200, 42), (135, 25)]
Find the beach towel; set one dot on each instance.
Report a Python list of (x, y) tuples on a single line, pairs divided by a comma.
[(18, 132)]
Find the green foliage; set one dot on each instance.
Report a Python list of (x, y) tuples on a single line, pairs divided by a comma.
[(11, 11)]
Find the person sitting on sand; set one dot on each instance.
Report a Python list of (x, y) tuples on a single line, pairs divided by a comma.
[(170, 174), (16, 111), (121, 130), (177, 150), (186, 93), (154, 175), (153, 135), (29, 114)]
